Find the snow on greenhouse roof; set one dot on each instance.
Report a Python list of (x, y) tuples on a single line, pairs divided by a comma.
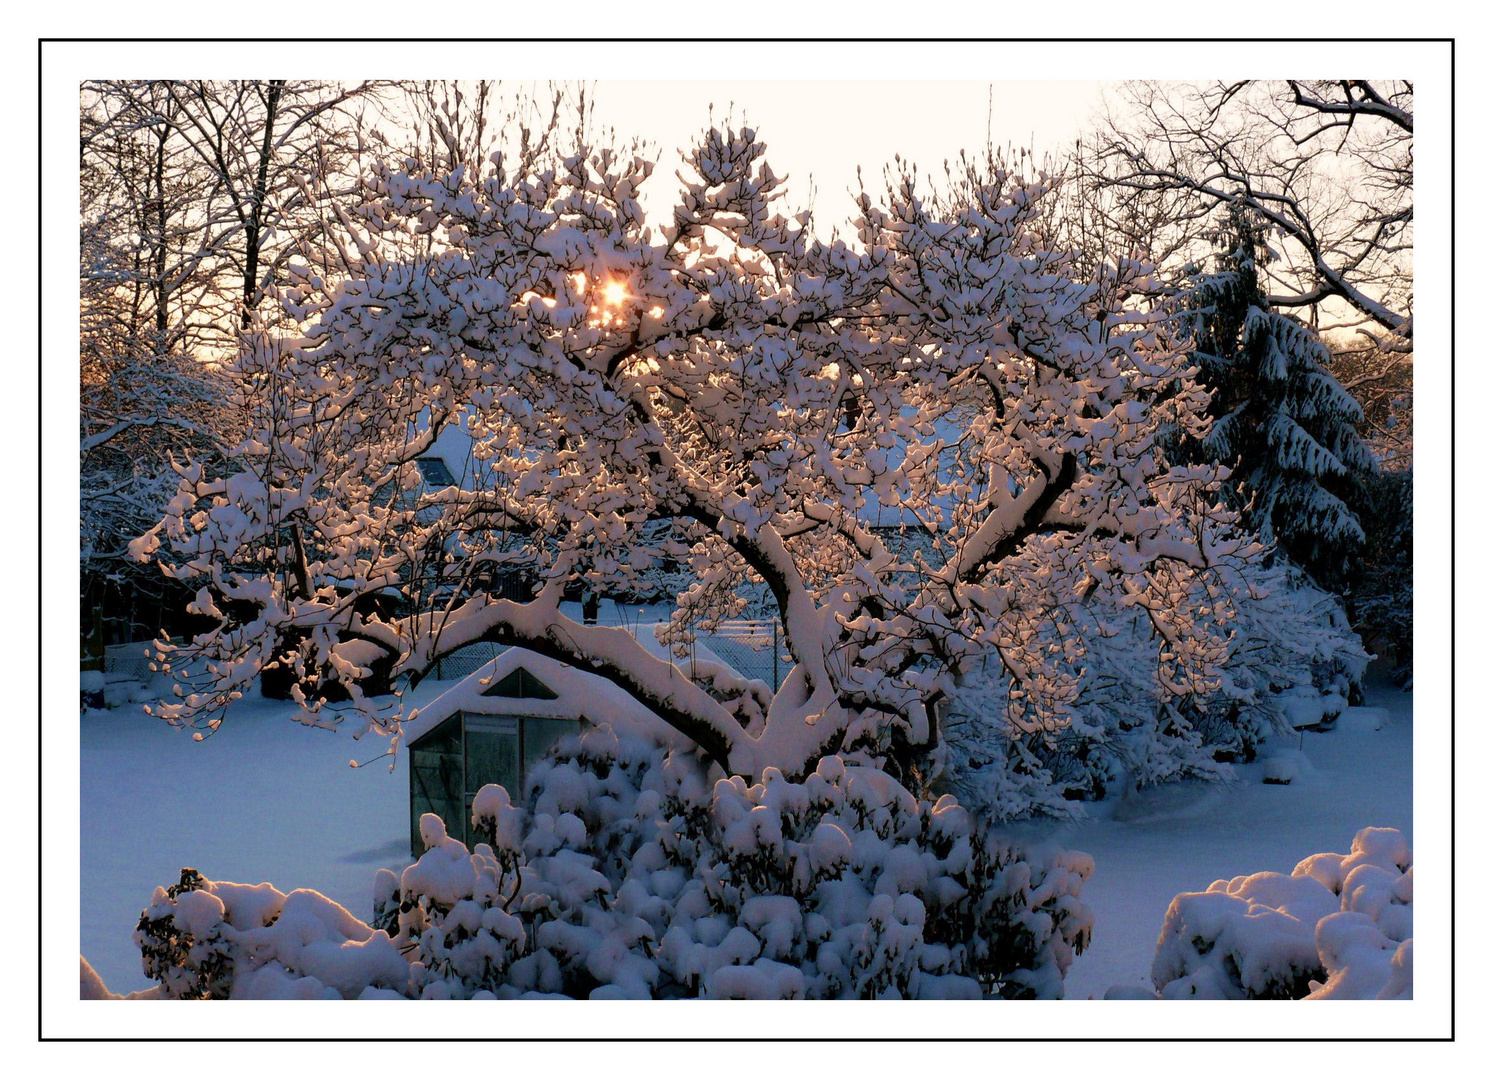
[(577, 693)]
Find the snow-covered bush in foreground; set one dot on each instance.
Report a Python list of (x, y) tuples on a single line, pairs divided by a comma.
[(627, 873), (218, 939), (1338, 926)]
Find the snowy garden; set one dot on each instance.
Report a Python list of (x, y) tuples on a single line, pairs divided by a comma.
[(332, 829), (517, 568)]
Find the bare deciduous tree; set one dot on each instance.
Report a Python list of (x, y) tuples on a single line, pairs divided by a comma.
[(251, 143), (1325, 165)]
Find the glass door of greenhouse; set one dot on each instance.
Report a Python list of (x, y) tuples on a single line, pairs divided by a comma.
[(436, 779), (451, 763), (504, 750), (492, 757)]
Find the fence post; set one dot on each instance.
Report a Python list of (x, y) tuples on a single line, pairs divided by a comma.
[(776, 685)]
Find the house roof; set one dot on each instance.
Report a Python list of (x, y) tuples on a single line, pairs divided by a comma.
[(453, 449)]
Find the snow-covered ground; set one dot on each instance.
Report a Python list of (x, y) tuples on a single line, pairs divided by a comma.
[(263, 799), (1183, 837), (266, 799)]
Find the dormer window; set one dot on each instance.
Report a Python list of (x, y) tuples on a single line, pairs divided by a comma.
[(435, 473)]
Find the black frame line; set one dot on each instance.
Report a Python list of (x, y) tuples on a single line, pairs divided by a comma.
[(41, 551)]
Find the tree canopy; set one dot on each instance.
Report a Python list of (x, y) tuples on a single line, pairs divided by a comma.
[(769, 402)]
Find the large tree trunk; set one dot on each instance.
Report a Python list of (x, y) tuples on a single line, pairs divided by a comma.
[(256, 209)]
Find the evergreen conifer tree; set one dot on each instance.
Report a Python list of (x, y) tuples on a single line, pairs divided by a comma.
[(1284, 425)]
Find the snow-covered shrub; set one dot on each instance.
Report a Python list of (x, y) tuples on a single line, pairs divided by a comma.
[(181, 940), (218, 939), (633, 871), (628, 873), (1290, 634), (1338, 926), (1284, 765), (1276, 636)]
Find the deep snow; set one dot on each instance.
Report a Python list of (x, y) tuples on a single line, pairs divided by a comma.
[(262, 799), (265, 799), (1183, 837)]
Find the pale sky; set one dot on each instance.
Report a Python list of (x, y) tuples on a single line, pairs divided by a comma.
[(825, 129)]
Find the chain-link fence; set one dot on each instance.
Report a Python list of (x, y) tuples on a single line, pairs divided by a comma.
[(467, 659), (131, 659), (754, 647)]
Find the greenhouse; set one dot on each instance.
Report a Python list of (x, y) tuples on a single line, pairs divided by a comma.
[(494, 726)]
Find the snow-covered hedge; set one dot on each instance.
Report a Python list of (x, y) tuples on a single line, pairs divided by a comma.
[(1338, 926), (628, 873)]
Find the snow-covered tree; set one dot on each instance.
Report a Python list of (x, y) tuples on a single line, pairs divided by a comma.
[(144, 276), (1382, 596), (138, 410), (189, 203), (1383, 383), (1381, 592), (763, 396), (1281, 421)]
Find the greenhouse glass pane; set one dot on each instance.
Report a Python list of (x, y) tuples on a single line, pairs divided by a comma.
[(444, 738), (435, 788), (492, 758), (540, 735)]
